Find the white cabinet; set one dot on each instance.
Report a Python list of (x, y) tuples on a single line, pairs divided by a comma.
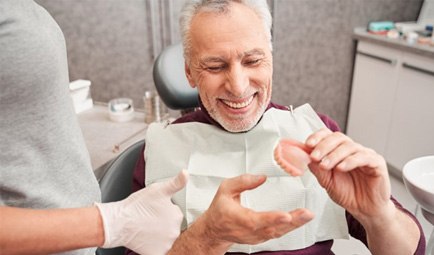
[(392, 103), (374, 83), (412, 127)]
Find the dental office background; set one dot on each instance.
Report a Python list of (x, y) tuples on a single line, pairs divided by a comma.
[(113, 43)]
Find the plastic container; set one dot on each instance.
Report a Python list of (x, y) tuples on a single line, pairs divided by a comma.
[(121, 109)]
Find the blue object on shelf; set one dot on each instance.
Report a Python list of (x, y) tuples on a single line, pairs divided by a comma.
[(377, 26)]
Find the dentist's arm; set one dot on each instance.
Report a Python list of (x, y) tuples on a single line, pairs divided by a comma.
[(226, 222), (28, 231), (356, 178), (146, 222)]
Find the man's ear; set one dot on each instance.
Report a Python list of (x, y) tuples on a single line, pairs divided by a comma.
[(188, 74)]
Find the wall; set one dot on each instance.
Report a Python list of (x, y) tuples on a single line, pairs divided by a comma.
[(314, 51), (113, 44), (107, 43)]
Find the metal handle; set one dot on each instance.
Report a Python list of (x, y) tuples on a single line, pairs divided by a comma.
[(390, 61), (418, 69)]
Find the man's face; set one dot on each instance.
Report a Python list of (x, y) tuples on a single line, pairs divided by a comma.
[(231, 65)]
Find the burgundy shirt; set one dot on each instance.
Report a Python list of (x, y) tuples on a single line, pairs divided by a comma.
[(356, 230)]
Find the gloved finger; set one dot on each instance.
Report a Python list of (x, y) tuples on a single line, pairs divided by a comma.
[(241, 183), (170, 187)]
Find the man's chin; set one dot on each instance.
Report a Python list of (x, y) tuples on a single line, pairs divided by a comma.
[(237, 129), (238, 126), (237, 123)]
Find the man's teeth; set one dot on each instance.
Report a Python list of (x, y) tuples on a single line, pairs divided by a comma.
[(238, 105)]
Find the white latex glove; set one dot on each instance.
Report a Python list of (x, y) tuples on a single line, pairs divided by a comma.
[(146, 222)]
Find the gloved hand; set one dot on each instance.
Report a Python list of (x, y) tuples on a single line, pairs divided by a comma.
[(146, 222)]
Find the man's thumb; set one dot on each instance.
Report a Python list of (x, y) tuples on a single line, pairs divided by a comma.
[(244, 182), (175, 184)]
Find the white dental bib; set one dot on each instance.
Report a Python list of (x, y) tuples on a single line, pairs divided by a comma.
[(211, 154)]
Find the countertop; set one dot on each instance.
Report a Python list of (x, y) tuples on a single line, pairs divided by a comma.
[(421, 49), (102, 135)]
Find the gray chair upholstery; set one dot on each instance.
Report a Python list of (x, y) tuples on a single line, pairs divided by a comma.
[(170, 80), (116, 183)]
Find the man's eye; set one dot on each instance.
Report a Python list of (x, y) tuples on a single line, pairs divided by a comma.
[(215, 68), (252, 62)]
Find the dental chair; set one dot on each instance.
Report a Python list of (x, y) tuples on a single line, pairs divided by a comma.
[(116, 183), (171, 82), (175, 91)]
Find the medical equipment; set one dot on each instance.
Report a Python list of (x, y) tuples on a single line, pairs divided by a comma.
[(418, 176)]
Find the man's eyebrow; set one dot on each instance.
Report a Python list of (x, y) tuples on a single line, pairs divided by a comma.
[(211, 59), (254, 52)]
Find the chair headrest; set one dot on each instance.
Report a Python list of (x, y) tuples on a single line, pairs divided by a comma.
[(170, 80)]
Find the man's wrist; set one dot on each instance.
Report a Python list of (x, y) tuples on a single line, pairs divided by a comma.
[(391, 232), (384, 219), (204, 234)]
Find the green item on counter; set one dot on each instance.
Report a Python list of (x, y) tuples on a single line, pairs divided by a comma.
[(377, 26)]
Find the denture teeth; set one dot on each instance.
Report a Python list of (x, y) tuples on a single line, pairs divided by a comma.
[(238, 105)]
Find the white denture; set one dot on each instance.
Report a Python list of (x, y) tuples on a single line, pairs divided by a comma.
[(238, 105)]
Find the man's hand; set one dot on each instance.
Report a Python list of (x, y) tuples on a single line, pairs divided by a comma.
[(355, 177), (227, 222)]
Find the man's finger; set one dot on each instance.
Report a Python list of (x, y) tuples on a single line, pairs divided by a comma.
[(316, 137), (296, 218), (242, 183), (301, 216), (175, 184)]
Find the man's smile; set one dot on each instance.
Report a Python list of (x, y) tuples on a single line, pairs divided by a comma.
[(240, 103)]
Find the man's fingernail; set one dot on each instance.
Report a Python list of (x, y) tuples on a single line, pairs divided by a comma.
[(325, 162), (316, 154), (342, 166), (311, 142), (306, 216), (285, 220)]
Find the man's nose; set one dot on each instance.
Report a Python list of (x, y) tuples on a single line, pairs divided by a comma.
[(237, 80)]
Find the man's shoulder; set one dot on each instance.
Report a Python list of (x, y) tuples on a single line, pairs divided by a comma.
[(329, 122)]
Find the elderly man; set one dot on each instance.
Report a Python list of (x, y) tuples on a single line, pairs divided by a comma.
[(236, 195)]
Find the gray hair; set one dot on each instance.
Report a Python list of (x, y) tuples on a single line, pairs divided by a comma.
[(193, 7)]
